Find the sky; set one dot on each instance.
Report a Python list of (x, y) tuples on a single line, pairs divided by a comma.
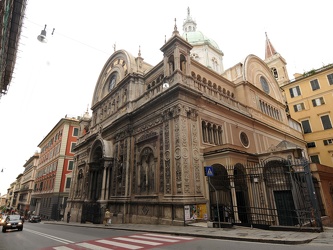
[(57, 78)]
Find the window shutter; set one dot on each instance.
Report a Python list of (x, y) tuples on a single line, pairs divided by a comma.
[(291, 92)]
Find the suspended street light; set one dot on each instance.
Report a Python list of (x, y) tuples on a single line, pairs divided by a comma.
[(42, 37)]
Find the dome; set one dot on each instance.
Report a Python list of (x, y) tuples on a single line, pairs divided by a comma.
[(198, 38), (86, 116)]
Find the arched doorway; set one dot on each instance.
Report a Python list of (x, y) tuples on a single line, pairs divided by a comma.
[(220, 195), (95, 174), (277, 177), (242, 197)]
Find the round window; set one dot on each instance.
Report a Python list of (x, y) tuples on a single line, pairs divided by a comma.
[(244, 139)]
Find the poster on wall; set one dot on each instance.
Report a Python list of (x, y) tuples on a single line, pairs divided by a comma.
[(195, 212), (187, 212)]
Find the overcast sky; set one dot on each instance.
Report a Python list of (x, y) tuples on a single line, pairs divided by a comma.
[(59, 77)]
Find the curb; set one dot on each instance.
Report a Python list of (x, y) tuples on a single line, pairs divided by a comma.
[(199, 234)]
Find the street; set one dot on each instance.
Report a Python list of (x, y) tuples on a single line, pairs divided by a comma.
[(40, 236)]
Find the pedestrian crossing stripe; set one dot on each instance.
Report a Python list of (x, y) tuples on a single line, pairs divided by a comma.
[(132, 242)]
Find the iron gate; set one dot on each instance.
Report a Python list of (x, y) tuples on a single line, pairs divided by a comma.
[(271, 193), (91, 212)]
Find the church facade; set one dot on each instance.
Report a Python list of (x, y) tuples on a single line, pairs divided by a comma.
[(156, 130)]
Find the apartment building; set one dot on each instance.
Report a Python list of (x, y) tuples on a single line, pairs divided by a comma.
[(27, 184), (310, 101), (54, 171)]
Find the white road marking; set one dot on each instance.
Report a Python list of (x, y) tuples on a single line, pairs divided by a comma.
[(50, 236), (91, 246), (62, 248), (118, 244), (171, 236), (139, 241), (153, 238)]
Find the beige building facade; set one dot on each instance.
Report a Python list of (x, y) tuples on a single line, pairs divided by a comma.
[(180, 141), (27, 185)]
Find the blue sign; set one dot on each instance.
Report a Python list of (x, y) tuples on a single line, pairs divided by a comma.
[(209, 171)]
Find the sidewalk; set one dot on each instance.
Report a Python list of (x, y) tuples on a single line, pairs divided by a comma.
[(234, 233)]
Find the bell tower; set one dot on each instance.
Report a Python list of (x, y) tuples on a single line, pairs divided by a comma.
[(176, 54), (276, 63)]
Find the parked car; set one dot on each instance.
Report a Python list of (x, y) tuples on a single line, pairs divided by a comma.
[(2, 220), (35, 218), (12, 221)]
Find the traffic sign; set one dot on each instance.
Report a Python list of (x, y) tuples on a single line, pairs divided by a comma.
[(209, 171)]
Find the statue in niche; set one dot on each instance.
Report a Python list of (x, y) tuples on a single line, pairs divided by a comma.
[(125, 96)]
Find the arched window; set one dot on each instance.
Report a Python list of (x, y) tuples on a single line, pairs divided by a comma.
[(171, 64), (275, 73), (182, 64)]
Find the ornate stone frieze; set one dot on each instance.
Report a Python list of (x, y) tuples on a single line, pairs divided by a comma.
[(148, 135), (149, 125)]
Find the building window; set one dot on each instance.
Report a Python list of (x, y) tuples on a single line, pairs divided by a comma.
[(275, 73), (295, 91), (306, 126), (244, 139), (325, 119), (328, 141), (315, 84), (299, 107), (311, 144), (318, 101), (75, 132), (314, 158), (70, 165), (68, 182), (330, 79), (73, 144), (264, 84)]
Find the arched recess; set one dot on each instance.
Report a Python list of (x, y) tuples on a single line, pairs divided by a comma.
[(99, 155), (120, 63), (220, 194), (254, 68), (183, 63), (278, 184), (242, 196), (171, 62), (95, 172), (147, 172)]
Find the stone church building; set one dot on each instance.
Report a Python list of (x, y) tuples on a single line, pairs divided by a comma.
[(155, 130)]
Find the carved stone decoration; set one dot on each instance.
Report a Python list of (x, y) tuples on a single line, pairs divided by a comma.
[(196, 156), (185, 152), (177, 153), (167, 155), (177, 157), (167, 158), (184, 143), (124, 153), (161, 182)]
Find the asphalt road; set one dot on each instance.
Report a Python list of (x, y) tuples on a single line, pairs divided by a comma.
[(40, 236)]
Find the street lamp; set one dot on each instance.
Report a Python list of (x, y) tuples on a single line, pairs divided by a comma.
[(42, 37)]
